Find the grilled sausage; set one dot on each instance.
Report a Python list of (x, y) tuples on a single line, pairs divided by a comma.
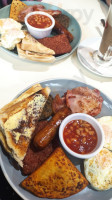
[(60, 29), (45, 136)]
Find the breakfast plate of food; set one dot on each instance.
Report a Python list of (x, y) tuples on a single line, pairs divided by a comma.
[(20, 37), (32, 158)]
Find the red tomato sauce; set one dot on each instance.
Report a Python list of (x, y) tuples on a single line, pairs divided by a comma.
[(80, 136), (39, 21)]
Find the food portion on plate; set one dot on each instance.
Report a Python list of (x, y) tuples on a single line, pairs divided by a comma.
[(18, 120), (16, 7), (29, 133), (54, 35), (11, 33), (56, 178), (98, 170), (106, 123), (80, 100), (32, 49), (39, 7)]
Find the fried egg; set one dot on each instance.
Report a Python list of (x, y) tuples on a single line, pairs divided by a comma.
[(11, 37), (98, 170), (106, 123), (8, 23), (11, 33)]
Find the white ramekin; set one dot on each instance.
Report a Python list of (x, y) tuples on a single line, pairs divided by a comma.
[(39, 33), (94, 123)]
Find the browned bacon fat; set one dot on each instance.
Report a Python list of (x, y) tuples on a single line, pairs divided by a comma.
[(58, 103), (80, 99), (38, 7)]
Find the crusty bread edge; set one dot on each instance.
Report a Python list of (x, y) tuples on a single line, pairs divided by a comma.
[(35, 88), (29, 43), (3, 111), (47, 58), (4, 143)]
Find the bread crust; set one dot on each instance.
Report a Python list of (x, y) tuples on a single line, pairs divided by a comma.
[(12, 107), (31, 44), (40, 57), (18, 120)]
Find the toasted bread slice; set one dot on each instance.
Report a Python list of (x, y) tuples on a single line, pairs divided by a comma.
[(56, 178), (34, 56), (4, 143), (12, 107), (29, 43), (18, 120)]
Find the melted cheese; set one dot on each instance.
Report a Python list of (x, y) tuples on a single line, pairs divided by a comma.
[(27, 116), (35, 106), (14, 121), (26, 133)]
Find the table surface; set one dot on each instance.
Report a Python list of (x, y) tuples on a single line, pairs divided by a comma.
[(15, 74)]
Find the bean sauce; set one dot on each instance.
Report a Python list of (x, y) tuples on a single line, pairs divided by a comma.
[(39, 21), (80, 136)]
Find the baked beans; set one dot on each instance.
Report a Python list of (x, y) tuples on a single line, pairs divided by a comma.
[(39, 21), (80, 136)]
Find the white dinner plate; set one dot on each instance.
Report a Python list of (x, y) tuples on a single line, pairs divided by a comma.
[(14, 176)]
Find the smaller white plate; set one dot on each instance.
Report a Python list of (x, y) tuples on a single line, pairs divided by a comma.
[(88, 46)]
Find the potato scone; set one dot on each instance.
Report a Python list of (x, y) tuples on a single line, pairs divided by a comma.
[(98, 170), (106, 123), (56, 178), (16, 7)]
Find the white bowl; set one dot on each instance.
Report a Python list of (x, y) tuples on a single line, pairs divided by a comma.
[(96, 126), (39, 33)]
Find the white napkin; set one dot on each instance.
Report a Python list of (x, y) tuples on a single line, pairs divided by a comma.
[(85, 54)]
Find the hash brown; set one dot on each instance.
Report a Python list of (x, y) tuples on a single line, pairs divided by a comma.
[(57, 177), (16, 7)]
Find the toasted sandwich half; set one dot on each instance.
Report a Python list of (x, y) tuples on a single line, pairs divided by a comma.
[(31, 49), (18, 120)]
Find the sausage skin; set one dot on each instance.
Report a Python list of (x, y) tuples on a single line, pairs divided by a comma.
[(45, 136)]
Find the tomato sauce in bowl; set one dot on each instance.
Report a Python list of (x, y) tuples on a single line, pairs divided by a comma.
[(39, 24), (80, 136), (39, 21)]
